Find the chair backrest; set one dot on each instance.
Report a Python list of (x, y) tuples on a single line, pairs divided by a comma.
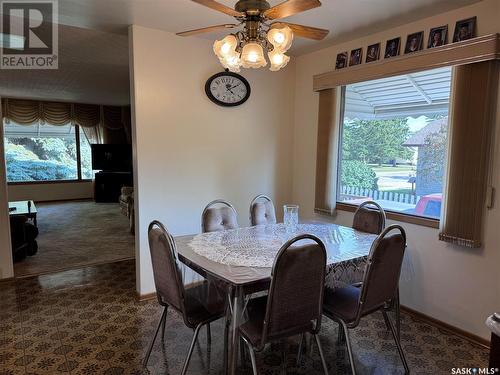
[(214, 219), (262, 210), (295, 296), (383, 269), (167, 276), (369, 219)]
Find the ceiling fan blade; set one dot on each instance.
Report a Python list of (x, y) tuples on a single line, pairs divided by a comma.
[(291, 7), (219, 7), (306, 31), (207, 29)]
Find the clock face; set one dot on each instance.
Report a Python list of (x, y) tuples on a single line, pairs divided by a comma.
[(227, 89)]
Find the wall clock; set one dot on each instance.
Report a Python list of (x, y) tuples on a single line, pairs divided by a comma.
[(227, 89)]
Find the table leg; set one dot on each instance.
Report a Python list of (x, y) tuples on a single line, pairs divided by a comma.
[(34, 221), (234, 336)]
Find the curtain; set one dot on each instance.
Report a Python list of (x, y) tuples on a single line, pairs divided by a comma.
[(472, 120), (101, 124), (330, 115)]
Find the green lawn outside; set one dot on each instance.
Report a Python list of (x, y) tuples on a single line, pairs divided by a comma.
[(390, 168), (398, 191)]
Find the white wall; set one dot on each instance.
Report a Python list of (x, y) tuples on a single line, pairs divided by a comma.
[(51, 191), (458, 286), (188, 151)]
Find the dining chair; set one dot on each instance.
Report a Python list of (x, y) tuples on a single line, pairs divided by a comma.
[(199, 305), (369, 219), (218, 215), (294, 303), (262, 210), (372, 220), (349, 304)]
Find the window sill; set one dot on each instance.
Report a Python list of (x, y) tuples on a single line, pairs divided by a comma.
[(47, 182), (411, 219)]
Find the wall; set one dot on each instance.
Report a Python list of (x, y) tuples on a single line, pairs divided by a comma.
[(6, 265), (458, 286), (188, 151), (51, 191)]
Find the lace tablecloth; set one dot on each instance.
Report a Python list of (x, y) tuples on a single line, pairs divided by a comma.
[(257, 246)]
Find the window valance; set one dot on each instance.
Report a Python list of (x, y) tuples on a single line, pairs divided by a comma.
[(28, 112)]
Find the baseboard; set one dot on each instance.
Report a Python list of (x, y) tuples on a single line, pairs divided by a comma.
[(446, 327), (65, 200), (146, 297)]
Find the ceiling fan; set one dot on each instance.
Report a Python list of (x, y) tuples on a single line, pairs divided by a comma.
[(261, 30)]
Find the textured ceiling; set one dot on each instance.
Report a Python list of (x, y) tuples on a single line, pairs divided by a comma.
[(93, 43), (93, 68), (346, 19)]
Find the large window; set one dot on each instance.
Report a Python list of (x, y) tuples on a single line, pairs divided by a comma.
[(394, 143), (46, 153)]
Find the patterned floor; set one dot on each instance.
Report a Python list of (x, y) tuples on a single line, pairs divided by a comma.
[(78, 234), (88, 321)]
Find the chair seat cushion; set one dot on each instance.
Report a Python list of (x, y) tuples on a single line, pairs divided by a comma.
[(203, 302), (341, 302), (253, 327)]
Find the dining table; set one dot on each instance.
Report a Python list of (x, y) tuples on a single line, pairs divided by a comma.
[(239, 261)]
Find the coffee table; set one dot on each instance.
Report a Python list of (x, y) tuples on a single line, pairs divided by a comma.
[(23, 208)]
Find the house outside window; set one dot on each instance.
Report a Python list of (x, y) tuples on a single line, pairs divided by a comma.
[(393, 143)]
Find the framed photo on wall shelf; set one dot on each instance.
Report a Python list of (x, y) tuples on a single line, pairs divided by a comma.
[(392, 48), (356, 56), (414, 42), (341, 61), (373, 52), (438, 36), (465, 29)]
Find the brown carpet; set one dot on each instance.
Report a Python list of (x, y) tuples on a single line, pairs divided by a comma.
[(76, 234)]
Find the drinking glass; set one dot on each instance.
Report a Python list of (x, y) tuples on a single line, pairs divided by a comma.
[(291, 216)]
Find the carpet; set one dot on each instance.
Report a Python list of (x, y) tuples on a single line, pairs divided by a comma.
[(75, 234)]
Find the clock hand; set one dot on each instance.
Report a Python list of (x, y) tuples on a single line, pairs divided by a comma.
[(235, 86)]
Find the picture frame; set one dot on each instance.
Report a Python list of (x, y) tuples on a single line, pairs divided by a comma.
[(438, 36), (342, 60), (372, 52), (465, 29), (392, 48), (356, 57), (414, 42)]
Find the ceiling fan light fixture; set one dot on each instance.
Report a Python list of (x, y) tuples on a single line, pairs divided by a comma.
[(281, 37), (278, 60), (252, 56), (226, 47), (232, 63)]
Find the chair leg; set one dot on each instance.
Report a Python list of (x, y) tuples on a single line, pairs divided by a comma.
[(398, 315), (340, 336), (163, 325), (284, 356), (227, 322), (322, 356), (299, 354), (190, 352), (209, 337), (398, 344), (150, 348), (349, 347), (252, 357), (386, 320)]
